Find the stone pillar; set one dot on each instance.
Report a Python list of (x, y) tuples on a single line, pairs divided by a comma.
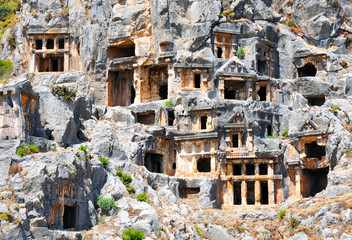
[(257, 191), (271, 184), (32, 67), (229, 197), (66, 62), (137, 84), (249, 140), (244, 193), (298, 181)]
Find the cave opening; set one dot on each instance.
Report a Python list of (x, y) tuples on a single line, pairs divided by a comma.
[(314, 181), (308, 70), (153, 162)]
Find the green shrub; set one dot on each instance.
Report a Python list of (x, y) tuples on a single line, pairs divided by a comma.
[(24, 150), (5, 68), (131, 234), (64, 93), (33, 148), (240, 53), (281, 214), (126, 180), (169, 104), (285, 133), (104, 161), (143, 197), (348, 150), (294, 222), (334, 109), (105, 203), (83, 149)]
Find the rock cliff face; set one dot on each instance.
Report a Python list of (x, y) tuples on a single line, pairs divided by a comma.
[(233, 117)]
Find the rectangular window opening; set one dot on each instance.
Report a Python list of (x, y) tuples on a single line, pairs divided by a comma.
[(263, 169), (269, 130), (237, 198), (50, 44), (250, 193), (197, 80), (235, 140), (170, 118), (264, 193), (203, 165), (38, 44), (237, 169), (61, 43), (250, 169), (203, 122)]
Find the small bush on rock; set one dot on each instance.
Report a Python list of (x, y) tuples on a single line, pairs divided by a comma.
[(64, 93), (126, 180), (143, 197), (281, 214), (169, 104), (285, 133), (24, 150), (104, 161), (131, 234), (15, 168), (294, 222), (105, 203)]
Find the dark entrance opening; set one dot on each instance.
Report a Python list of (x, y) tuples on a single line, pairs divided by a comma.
[(133, 94), (264, 192), (61, 43), (189, 193), (54, 65), (69, 219), (220, 52), (125, 49), (153, 162), (197, 80), (250, 169), (147, 118), (237, 199), (170, 118), (308, 70), (262, 94), (314, 181), (38, 44), (203, 122), (235, 90), (235, 142), (250, 193), (163, 91), (203, 165), (316, 101), (230, 94), (121, 91), (263, 169), (50, 44), (269, 130), (313, 150), (237, 169)]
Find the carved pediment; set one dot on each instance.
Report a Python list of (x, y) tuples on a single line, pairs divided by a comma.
[(235, 67), (307, 126), (237, 118)]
